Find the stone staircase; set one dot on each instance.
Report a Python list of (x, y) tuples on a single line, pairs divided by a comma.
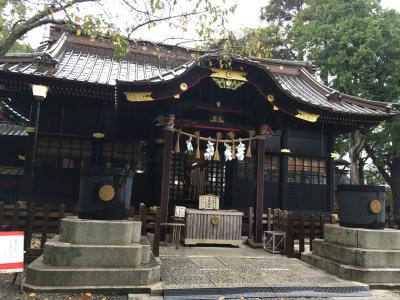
[(365, 255), (95, 255)]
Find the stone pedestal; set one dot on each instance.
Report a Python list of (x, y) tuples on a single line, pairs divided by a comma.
[(365, 255), (95, 255)]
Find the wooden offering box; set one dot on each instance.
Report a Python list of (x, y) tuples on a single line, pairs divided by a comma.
[(219, 227)]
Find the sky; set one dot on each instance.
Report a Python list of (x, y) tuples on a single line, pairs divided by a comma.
[(247, 14)]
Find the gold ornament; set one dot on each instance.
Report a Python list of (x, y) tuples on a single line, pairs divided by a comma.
[(106, 192), (375, 206)]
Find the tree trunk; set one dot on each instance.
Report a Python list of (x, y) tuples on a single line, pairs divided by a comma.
[(361, 164), (395, 187), (356, 143)]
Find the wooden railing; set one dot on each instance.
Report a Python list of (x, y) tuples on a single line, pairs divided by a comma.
[(39, 223), (299, 228)]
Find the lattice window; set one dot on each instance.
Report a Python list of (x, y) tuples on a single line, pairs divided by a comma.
[(215, 172), (177, 177), (306, 170), (271, 168), (63, 152)]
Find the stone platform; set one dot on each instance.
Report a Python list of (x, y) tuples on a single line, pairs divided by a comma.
[(91, 255), (365, 255), (232, 273)]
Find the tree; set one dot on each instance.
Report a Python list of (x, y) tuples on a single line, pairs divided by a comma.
[(119, 23), (356, 45)]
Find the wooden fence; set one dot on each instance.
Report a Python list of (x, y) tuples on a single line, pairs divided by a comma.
[(40, 223), (299, 228)]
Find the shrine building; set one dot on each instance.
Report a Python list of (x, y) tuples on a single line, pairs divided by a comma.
[(255, 132)]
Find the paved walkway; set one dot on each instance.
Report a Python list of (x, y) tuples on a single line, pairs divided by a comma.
[(234, 272)]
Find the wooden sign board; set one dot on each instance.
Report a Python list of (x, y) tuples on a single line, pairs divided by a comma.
[(209, 201), (11, 251)]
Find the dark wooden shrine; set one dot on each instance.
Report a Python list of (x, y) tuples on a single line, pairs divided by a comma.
[(126, 112)]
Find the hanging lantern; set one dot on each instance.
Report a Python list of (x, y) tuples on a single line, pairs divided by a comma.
[(231, 135), (177, 146), (216, 154), (240, 151), (189, 145), (228, 152), (197, 134), (251, 135), (208, 155)]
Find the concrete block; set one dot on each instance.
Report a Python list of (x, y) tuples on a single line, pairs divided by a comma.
[(336, 234), (40, 274), (102, 232), (355, 273), (57, 253), (136, 231), (388, 239), (357, 256), (146, 250), (336, 252)]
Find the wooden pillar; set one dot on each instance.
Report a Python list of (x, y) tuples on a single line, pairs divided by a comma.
[(166, 168), (330, 179), (260, 190), (283, 171), (30, 155)]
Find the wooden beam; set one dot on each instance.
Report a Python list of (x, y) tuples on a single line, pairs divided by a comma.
[(260, 190), (283, 171)]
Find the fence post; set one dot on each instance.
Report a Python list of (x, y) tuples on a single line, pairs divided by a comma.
[(312, 231), (269, 219), (45, 225), (143, 218), (76, 210), (301, 235), (61, 215), (131, 212), (157, 233), (251, 223), (321, 224), (1, 215), (15, 218), (290, 236), (29, 225)]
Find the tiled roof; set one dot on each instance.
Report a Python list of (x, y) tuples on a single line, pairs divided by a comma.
[(79, 59), (12, 129)]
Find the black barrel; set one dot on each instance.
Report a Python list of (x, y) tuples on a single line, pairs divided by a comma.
[(361, 206), (105, 193)]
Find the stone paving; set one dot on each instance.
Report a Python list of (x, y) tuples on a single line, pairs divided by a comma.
[(189, 268)]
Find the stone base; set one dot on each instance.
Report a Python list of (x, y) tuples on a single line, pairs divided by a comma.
[(369, 256), (102, 260)]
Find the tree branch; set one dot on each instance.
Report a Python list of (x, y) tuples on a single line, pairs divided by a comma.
[(164, 19), (379, 166), (39, 19)]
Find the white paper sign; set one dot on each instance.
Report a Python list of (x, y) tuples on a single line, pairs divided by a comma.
[(11, 251)]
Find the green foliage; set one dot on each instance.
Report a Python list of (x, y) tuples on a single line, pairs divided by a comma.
[(117, 21)]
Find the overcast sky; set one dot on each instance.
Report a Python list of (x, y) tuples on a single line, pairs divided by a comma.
[(247, 15)]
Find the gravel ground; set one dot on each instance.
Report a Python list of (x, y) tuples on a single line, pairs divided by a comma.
[(10, 291)]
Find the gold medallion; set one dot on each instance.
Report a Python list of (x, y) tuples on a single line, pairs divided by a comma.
[(106, 192), (375, 206)]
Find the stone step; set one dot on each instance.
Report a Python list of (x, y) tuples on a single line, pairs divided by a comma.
[(371, 258), (101, 232), (355, 273), (39, 275), (387, 238), (57, 253)]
